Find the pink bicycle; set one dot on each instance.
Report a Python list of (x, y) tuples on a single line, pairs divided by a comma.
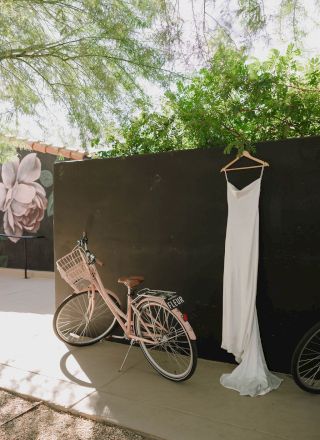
[(152, 318)]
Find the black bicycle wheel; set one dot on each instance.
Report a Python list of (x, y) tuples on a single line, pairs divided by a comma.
[(174, 355), (74, 324), (306, 361)]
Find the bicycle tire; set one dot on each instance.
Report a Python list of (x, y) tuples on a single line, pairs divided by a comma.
[(305, 365), (172, 336), (81, 334)]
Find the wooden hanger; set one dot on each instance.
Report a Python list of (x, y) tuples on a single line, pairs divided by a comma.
[(246, 154)]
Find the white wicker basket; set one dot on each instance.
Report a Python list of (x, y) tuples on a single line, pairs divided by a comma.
[(74, 269)]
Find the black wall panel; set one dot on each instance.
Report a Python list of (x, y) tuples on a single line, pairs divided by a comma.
[(164, 216)]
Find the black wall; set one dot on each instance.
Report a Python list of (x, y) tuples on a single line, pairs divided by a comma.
[(164, 216)]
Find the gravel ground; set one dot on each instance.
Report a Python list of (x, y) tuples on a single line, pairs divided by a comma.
[(44, 423)]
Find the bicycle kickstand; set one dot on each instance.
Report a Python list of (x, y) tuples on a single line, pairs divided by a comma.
[(125, 358)]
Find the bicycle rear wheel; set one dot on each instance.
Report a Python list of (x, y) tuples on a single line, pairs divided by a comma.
[(73, 323), (306, 361), (174, 355)]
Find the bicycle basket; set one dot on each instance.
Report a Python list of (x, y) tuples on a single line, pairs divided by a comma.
[(74, 269)]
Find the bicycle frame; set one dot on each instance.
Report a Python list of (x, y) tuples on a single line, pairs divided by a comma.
[(86, 264), (125, 320)]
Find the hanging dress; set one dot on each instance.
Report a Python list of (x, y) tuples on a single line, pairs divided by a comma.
[(240, 330)]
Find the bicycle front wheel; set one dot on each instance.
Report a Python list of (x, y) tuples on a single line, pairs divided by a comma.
[(306, 361), (83, 319), (174, 354)]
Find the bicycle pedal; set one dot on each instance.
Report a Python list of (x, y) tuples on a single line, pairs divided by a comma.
[(118, 337)]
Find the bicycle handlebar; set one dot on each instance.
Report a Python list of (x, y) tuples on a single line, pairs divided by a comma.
[(83, 243)]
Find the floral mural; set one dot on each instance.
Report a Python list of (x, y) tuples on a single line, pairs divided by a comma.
[(22, 199)]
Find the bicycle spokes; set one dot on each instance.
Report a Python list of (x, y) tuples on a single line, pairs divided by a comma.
[(83, 319), (170, 350)]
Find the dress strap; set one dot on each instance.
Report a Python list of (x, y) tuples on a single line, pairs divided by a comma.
[(261, 174)]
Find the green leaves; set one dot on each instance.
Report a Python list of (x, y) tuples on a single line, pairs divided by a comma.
[(148, 133), (50, 205), (46, 178), (7, 151), (240, 102), (252, 15), (88, 55), (233, 104)]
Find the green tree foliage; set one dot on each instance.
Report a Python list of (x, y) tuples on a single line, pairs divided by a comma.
[(234, 103), (89, 55), (243, 23), (7, 151), (8, 148), (147, 133), (92, 56)]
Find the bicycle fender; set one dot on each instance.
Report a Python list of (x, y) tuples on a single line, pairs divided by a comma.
[(175, 311), (186, 324)]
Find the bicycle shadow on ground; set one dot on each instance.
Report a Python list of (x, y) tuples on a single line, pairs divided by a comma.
[(98, 364)]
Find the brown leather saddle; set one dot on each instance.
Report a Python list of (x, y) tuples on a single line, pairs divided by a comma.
[(131, 281)]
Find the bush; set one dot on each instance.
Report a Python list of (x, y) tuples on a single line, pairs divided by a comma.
[(234, 103)]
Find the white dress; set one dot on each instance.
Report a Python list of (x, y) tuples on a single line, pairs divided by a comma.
[(240, 330)]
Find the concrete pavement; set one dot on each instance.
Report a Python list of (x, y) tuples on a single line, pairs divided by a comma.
[(86, 381)]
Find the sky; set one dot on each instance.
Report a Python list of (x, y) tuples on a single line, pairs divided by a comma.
[(55, 127)]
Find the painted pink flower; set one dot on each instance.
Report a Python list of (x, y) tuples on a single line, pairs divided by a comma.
[(21, 198)]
